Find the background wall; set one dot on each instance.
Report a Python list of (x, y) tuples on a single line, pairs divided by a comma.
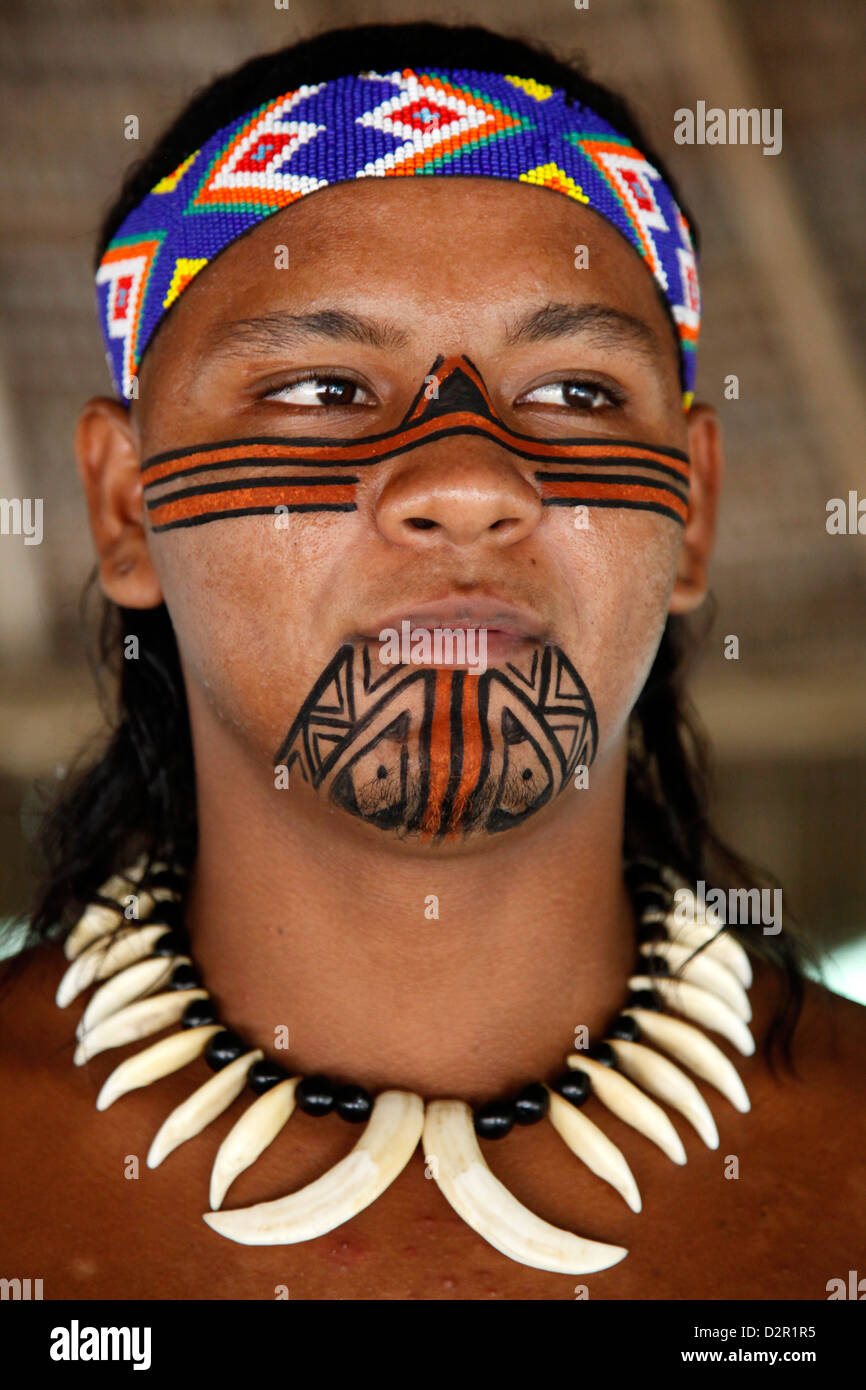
[(783, 289)]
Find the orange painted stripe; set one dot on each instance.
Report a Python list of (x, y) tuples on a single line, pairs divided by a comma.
[(154, 473), (629, 492), (472, 748), (236, 500), (440, 753), (347, 452)]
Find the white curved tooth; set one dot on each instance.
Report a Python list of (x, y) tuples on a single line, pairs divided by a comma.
[(204, 1105), (695, 1050), (477, 1195), (118, 884), (389, 1140), (135, 944), (703, 971), (134, 982), (155, 1062), (722, 945), (659, 1076), (257, 1127), (592, 1147), (706, 1009), (137, 1020), (83, 970), (98, 919), (630, 1104), (689, 906), (105, 957)]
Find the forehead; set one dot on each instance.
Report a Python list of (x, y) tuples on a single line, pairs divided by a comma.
[(456, 253)]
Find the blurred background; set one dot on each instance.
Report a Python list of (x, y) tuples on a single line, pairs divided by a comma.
[(783, 285)]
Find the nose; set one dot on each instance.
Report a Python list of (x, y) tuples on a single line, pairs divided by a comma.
[(460, 492)]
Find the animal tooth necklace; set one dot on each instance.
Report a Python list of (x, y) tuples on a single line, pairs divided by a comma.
[(146, 982)]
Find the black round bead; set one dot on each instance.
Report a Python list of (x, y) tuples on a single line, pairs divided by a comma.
[(168, 911), (625, 1027), (166, 878), (602, 1052), (494, 1119), (223, 1048), (265, 1074), (531, 1104), (654, 965), (174, 943), (353, 1103), (650, 897), (650, 931), (642, 870), (573, 1086), (198, 1013), (315, 1095), (644, 999), (184, 977)]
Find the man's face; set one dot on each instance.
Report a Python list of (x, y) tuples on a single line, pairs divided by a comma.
[(326, 322)]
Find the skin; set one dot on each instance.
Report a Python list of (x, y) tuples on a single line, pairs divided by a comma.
[(305, 916)]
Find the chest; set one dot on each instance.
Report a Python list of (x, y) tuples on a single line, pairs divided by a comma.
[(94, 1222)]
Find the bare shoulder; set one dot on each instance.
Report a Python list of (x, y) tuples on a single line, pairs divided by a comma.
[(830, 1037), (36, 1047), (808, 1135), (49, 1155), (27, 987), (821, 1086)]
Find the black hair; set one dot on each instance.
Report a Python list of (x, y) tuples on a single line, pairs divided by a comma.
[(138, 795)]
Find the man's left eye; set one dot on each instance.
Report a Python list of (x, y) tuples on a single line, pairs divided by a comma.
[(578, 395), (316, 391)]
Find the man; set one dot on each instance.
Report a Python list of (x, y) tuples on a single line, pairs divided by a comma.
[(407, 872)]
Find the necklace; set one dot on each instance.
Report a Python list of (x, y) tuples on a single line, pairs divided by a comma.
[(688, 974)]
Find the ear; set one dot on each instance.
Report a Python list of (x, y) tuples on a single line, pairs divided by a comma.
[(707, 467), (107, 454)]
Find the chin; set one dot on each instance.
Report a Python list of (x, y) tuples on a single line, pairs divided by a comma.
[(441, 752)]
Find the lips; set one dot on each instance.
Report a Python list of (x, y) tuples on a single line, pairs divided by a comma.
[(496, 616), (499, 627)]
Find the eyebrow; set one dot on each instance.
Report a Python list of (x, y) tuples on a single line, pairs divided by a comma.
[(280, 329), (599, 324)]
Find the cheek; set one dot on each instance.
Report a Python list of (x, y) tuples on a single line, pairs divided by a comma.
[(249, 600), (620, 572)]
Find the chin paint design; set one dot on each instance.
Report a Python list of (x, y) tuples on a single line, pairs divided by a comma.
[(251, 477), (441, 753)]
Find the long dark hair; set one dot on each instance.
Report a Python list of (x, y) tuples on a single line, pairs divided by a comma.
[(138, 795)]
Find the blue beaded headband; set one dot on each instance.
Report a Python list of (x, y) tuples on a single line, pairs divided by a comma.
[(373, 125)]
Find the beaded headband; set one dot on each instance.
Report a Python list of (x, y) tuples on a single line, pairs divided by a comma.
[(430, 122)]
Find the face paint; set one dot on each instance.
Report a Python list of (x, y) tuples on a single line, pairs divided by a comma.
[(440, 753), (594, 472)]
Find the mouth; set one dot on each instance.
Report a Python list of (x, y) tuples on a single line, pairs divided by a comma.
[(486, 631)]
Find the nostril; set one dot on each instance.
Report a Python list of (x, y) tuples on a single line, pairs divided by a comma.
[(420, 523)]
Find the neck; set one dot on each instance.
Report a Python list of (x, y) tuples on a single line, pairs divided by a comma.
[(303, 920)]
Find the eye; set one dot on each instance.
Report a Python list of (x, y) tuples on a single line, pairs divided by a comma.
[(316, 390), (574, 395)]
